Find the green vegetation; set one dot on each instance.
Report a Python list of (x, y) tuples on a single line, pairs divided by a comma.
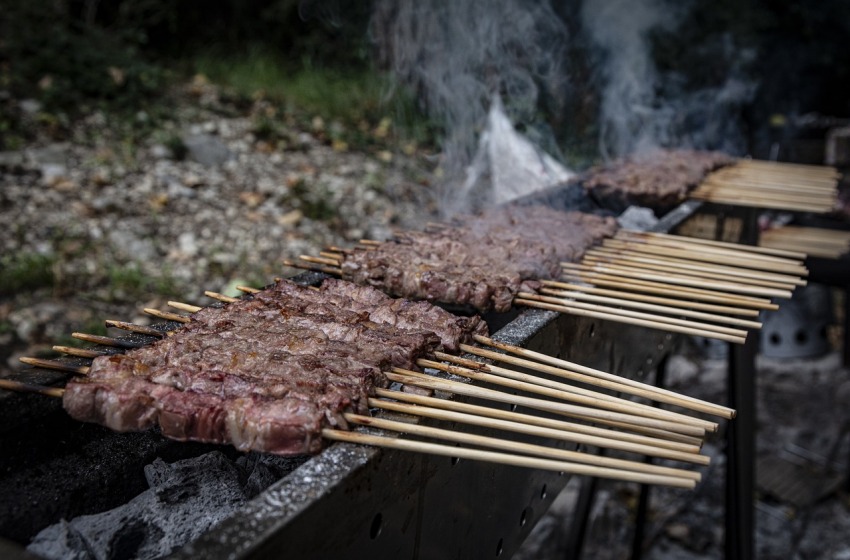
[(130, 282), (23, 272), (358, 106)]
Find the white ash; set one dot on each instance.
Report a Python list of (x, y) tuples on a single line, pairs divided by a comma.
[(185, 499)]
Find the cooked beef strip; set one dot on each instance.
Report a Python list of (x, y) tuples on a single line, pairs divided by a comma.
[(264, 373), (481, 261), (659, 179)]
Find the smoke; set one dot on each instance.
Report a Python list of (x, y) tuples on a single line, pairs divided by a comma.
[(641, 108), (457, 56), (506, 166)]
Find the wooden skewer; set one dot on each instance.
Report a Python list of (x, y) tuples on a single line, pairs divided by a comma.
[(220, 297), (570, 429), (184, 306), (80, 352), (702, 193), (563, 391), (630, 320), (21, 387), (55, 365), (504, 458), (670, 269), (567, 296), (565, 408), (711, 255), (818, 190), (566, 287), (370, 242), (335, 271), (795, 187), (680, 280), (825, 181), (106, 340), (513, 446), (694, 267), (572, 304), (785, 166), (132, 327), (712, 243), (337, 258), (669, 289), (319, 260), (248, 289), (430, 382), (167, 316), (583, 374), (794, 183), (517, 427)]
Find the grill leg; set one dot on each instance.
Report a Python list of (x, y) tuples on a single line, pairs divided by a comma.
[(643, 501), (578, 528), (740, 433)]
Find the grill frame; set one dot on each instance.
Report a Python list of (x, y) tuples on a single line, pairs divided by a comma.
[(428, 506)]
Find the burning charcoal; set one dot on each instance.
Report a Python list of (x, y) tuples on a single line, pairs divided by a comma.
[(185, 499)]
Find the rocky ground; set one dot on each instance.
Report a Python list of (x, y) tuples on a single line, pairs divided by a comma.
[(217, 196)]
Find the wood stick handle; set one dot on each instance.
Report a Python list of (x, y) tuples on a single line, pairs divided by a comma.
[(505, 459), (631, 320), (503, 444), (569, 429), (568, 287), (568, 297), (563, 391)]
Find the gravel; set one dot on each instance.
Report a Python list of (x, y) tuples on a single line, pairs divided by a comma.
[(117, 224)]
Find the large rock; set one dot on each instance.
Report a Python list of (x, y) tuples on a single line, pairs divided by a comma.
[(206, 149)]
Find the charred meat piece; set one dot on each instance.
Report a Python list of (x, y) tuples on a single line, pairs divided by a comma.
[(659, 180), (481, 261), (265, 373)]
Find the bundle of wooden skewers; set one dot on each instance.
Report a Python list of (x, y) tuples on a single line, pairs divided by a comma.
[(816, 242), (764, 184), (661, 281), (688, 285), (567, 404)]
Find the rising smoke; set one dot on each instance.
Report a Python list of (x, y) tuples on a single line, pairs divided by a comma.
[(642, 109), (459, 57)]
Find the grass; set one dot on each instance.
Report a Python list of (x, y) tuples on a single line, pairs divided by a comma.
[(130, 282), (358, 98), (26, 272)]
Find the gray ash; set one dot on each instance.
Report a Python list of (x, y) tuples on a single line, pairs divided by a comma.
[(185, 499)]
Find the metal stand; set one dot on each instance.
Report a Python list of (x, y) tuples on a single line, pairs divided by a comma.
[(643, 500), (740, 433), (740, 450)]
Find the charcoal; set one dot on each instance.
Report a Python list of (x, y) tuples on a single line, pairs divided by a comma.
[(185, 499)]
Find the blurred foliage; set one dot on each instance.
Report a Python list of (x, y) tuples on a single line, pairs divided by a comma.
[(21, 272), (66, 52), (309, 57)]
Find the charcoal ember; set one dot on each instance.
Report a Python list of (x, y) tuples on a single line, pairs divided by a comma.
[(185, 499), (479, 261), (660, 180)]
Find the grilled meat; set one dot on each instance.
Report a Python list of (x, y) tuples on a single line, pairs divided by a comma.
[(482, 261), (659, 180), (268, 372)]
